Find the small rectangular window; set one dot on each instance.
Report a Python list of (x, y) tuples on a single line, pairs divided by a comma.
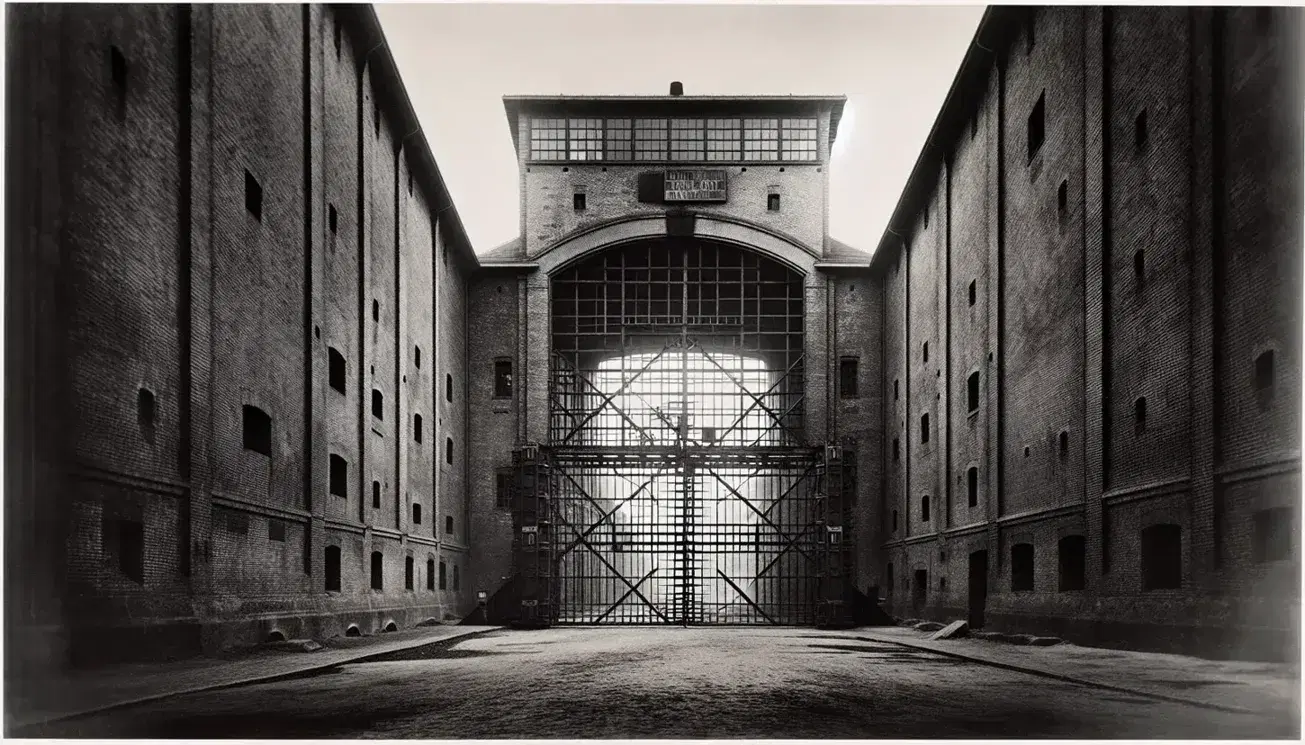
[(847, 377), (897, 449), (1021, 567), (1139, 131), (972, 292), (503, 378), (972, 392), (275, 530), (1037, 126), (131, 549), (376, 495), (503, 490), (253, 196), (118, 70), (448, 450), (772, 203), (416, 427), (257, 430), (335, 369), (578, 201), (448, 524), (339, 476), (1271, 535), (924, 428), (332, 218), (378, 404), (1062, 197), (416, 514)]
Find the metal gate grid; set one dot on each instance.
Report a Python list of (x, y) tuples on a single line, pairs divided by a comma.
[(681, 489)]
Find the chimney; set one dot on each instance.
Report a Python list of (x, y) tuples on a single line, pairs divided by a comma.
[(677, 88)]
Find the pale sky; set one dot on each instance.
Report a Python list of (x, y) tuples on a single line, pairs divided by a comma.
[(893, 62)]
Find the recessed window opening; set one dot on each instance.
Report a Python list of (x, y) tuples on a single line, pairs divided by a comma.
[(972, 392), (1021, 567), (972, 291), (335, 369), (924, 428), (896, 392), (332, 219), (772, 203), (1064, 444), (275, 530), (416, 514), (378, 404), (457, 585), (337, 38), (1162, 557), (339, 476), (416, 356), (376, 495), (131, 549), (1139, 414), (448, 450), (1139, 268), (378, 576), (1264, 377), (1072, 560), (1062, 197), (257, 430), (407, 573), (972, 485), (503, 489), (894, 521), (448, 387), (924, 509), (847, 377), (897, 449), (888, 579), (1037, 126), (1139, 130), (503, 378), (925, 351), (332, 568), (444, 584), (416, 427), (118, 71), (376, 310), (921, 589), (448, 524), (145, 413), (253, 196), (1271, 535), (430, 574), (578, 200)]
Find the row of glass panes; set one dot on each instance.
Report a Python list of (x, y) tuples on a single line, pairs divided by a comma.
[(688, 140)]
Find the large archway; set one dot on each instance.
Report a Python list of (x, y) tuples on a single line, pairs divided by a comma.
[(684, 488)]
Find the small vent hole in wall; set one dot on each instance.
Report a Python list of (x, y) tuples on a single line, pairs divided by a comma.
[(1064, 444), (972, 291), (391, 627), (1139, 130), (1062, 197), (352, 631), (253, 196), (1037, 126), (332, 219), (145, 413), (1139, 414)]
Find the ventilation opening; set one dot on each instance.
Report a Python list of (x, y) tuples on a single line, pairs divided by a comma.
[(332, 568), (972, 485), (772, 203), (1037, 126), (578, 200), (448, 524), (145, 413), (378, 582), (448, 387), (416, 427), (253, 196), (896, 393), (378, 404), (257, 430), (118, 69), (376, 310), (416, 356), (339, 476), (502, 378), (972, 392), (1139, 414), (894, 521), (430, 574), (275, 636), (1026, 451), (407, 573), (924, 428), (1073, 562), (925, 351), (1064, 444), (448, 450), (376, 495), (924, 509), (897, 449), (335, 369), (444, 584), (390, 627), (1162, 554), (275, 530), (847, 377), (332, 219), (1264, 378), (972, 292), (1271, 535), (1021, 567), (352, 630), (1139, 269), (1139, 130), (1062, 197), (131, 549), (416, 514)]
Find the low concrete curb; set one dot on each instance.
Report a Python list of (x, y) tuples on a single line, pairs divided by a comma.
[(1067, 678), (15, 728)]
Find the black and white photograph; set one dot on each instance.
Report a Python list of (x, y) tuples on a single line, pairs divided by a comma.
[(653, 370)]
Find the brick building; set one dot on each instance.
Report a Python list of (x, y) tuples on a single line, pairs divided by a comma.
[(236, 335), (1062, 396)]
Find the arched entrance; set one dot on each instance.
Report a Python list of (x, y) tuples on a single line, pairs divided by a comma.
[(683, 487)]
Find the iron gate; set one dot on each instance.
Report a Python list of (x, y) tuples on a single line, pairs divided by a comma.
[(677, 485)]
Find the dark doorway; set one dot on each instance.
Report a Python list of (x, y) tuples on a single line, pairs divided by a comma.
[(978, 587)]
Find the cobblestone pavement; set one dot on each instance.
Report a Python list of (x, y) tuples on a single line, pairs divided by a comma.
[(668, 683)]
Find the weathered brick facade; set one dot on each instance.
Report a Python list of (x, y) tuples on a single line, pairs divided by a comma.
[(1133, 255), (220, 200)]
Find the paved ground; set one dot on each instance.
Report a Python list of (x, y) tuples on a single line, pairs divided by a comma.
[(682, 683)]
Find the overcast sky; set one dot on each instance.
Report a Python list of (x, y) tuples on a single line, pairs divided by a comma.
[(893, 62)]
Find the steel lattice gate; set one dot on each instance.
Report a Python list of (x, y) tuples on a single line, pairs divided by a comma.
[(677, 485)]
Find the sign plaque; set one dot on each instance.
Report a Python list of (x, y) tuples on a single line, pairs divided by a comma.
[(695, 186)]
